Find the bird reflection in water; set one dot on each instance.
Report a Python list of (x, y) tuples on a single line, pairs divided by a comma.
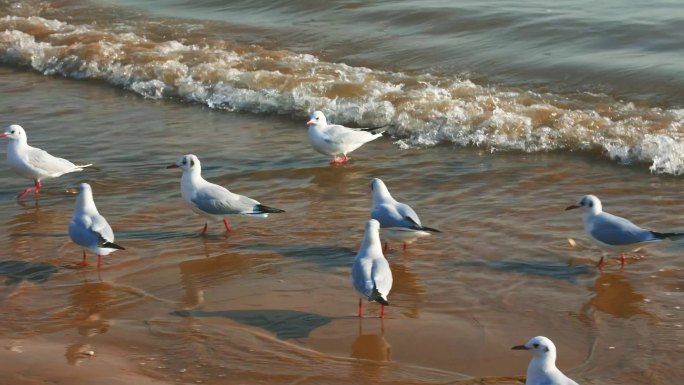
[(371, 346), (614, 295), (372, 350)]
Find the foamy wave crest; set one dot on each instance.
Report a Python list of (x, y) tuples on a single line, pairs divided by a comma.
[(422, 109)]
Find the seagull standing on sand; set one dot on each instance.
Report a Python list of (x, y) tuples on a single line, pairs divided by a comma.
[(397, 220), (613, 233), (89, 229), (335, 140), (371, 274), (211, 200), (542, 369), (34, 163)]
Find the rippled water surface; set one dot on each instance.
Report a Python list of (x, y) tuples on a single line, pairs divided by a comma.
[(491, 156)]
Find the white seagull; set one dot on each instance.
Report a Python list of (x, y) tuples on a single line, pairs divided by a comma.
[(614, 233), (89, 229), (335, 140), (371, 274), (34, 163), (211, 200), (397, 220), (542, 369)]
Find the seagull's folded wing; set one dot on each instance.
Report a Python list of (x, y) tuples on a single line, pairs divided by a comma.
[(51, 165), (217, 200), (613, 230)]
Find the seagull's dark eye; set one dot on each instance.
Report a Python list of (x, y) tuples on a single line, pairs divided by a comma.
[(12, 132), (536, 345), (192, 163), (591, 204), (317, 118)]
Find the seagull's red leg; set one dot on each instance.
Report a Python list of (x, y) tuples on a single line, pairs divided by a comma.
[(26, 191), (384, 249), (225, 223), (345, 159), (600, 263), (405, 245), (99, 261), (38, 187), (360, 307), (622, 259), (204, 230), (382, 311), (85, 262)]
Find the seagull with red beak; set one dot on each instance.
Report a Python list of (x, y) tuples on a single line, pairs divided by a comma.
[(542, 369), (33, 163), (211, 200), (613, 233), (336, 140)]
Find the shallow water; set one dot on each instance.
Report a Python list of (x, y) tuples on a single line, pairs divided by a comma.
[(500, 116), (500, 76), (271, 301)]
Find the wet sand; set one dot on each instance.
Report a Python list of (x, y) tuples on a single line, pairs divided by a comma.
[(271, 301)]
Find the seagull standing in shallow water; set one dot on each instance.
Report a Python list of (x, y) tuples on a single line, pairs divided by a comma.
[(397, 220), (33, 163), (614, 233), (211, 200), (89, 229), (371, 274), (542, 369), (335, 140)]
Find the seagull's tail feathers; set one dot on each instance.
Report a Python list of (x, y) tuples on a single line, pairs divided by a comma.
[(377, 297), (80, 167), (261, 209), (111, 245), (376, 130), (672, 236), (430, 229)]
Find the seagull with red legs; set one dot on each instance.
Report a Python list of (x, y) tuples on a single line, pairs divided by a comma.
[(613, 233), (211, 200), (397, 220), (371, 274), (89, 229), (336, 140), (34, 163)]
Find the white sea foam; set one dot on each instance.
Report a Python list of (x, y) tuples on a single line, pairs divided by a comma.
[(422, 109)]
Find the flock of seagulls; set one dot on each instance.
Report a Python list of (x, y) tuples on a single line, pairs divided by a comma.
[(371, 275)]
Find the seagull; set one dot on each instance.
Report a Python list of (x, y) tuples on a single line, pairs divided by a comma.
[(614, 233), (211, 200), (335, 140), (89, 229), (542, 369), (34, 163), (371, 274), (398, 220)]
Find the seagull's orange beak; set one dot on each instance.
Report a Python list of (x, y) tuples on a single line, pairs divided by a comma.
[(571, 207), (172, 166), (310, 122), (520, 347)]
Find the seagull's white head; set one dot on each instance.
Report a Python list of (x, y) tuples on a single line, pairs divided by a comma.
[(540, 347), (379, 190), (317, 118), (188, 162), (588, 203), (85, 201), (14, 132), (373, 226)]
